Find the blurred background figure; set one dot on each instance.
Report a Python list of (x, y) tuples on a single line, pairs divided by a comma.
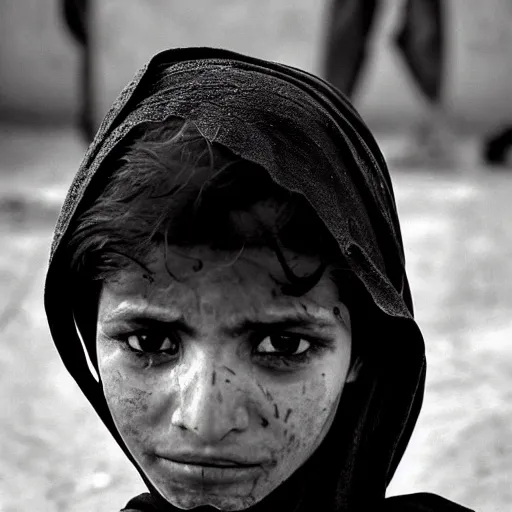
[(76, 16), (420, 40), (498, 146)]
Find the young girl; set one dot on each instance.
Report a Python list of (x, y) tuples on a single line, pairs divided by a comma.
[(227, 287)]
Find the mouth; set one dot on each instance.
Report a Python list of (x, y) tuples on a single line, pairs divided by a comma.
[(198, 469), (214, 462)]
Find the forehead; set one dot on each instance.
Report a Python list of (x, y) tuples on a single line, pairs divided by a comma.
[(251, 279)]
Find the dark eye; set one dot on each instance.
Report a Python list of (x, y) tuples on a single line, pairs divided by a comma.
[(283, 344), (152, 343)]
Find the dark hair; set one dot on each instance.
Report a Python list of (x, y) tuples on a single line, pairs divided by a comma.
[(172, 186)]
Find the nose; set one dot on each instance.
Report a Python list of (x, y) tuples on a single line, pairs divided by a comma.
[(210, 403)]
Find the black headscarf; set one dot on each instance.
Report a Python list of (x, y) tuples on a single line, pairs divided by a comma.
[(310, 140)]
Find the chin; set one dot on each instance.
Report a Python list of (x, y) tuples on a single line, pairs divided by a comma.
[(229, 497), (218, 502)]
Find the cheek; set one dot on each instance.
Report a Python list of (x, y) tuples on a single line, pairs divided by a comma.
[(129, 401), (302, 415)]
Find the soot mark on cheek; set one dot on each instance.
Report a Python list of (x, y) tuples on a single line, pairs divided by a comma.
[(136, 402), (266, 392), (291, 443), (129, 411)]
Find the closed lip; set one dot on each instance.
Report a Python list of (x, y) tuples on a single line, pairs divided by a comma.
[(208, 470), (210, 460)]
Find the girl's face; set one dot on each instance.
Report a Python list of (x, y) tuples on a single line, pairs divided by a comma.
[(221, 385)]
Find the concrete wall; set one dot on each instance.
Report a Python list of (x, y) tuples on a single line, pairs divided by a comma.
[(284, 30), (38, 61), (479, 39)]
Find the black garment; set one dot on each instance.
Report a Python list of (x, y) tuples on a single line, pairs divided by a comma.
[(311, 140), (419, 502), (420, 40)]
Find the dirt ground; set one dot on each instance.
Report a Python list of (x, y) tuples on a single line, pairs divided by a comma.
[(57, 457)]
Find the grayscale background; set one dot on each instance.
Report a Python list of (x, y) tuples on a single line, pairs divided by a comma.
[(457, 224)]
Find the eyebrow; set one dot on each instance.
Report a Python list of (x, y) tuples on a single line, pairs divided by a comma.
[(148, 317), (283, 323), (157, 318)]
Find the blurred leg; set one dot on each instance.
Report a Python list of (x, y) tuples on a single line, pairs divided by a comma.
[(348, 33), (76, 16), (421, 42), (87, 120)]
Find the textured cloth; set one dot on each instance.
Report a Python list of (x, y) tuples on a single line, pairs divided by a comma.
[(310, 140), (419, 502)]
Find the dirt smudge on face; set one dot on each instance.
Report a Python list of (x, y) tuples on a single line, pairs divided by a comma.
[(228, 369), (137, 400), (265, 392), (129, 406)]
